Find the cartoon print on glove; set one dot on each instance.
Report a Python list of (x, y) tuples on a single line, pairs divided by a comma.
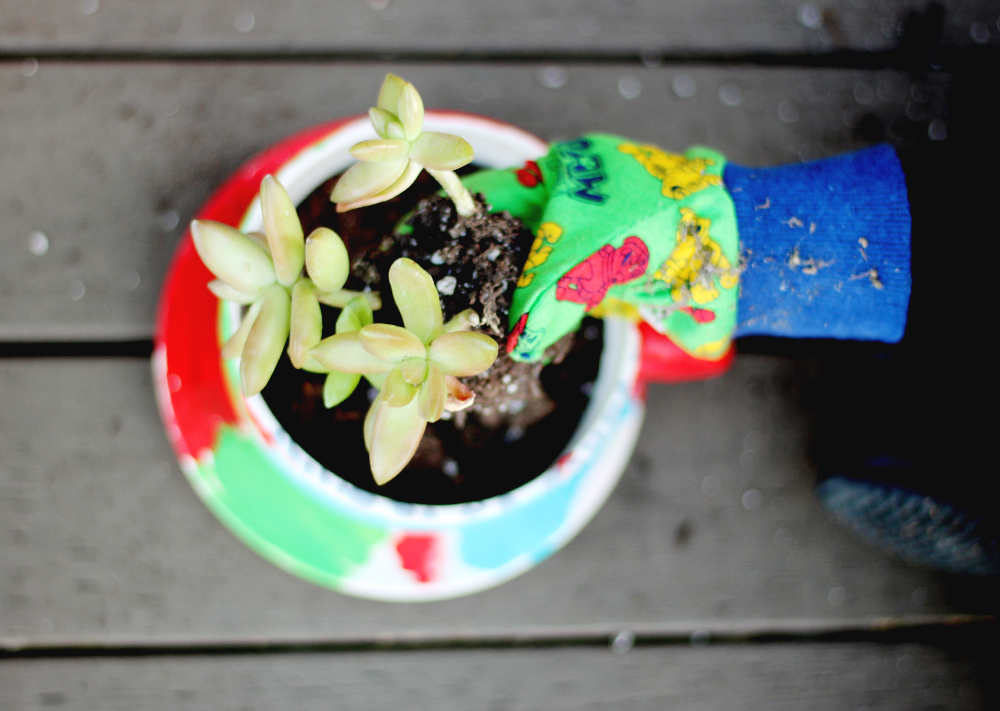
[(515, 334), (524, 340), (530, 340), (582, 171), (530, 175), (699, 315), (681, 176), (694, 263), (548, 234), (589, 281)]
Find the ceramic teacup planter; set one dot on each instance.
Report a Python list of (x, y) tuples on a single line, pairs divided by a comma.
[(304, 518)]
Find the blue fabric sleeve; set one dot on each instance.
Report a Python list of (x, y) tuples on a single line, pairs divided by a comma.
[(826, 247)]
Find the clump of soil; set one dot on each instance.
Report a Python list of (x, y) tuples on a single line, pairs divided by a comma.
[(524, 413)]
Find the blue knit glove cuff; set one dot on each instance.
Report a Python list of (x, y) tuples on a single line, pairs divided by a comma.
[(827, 247)]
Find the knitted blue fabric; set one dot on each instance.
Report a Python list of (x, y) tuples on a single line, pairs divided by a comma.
[(913, 525), (827, 247)]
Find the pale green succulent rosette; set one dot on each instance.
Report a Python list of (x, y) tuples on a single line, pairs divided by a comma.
[(416, 368), (419, 365), (390, 163), (265, 272)]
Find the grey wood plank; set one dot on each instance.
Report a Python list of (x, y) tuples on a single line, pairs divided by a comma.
[(808, 677), (105, 163), (103, 542), (728, 26)]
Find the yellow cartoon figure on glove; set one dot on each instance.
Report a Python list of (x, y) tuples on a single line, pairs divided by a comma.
[(681, 176), (695, 262)]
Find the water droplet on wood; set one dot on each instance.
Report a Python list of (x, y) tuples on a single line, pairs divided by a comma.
[(684, 86), (752, 499), (38, 243), (730, 95), (788, 112), (244, 22), (810, 16), (552, 77), (629, 87)]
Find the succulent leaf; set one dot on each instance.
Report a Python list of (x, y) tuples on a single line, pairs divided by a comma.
[(326, 259), (381, 120), (462, 321), (459, 395), (433, 395), (344, 352), (228, 293), (410, 111), (376, 380), (396, 432), (234, 346), (306, 322), (343, 297), (314, 366), (233, 257), (338, 387), (363, 180), (369, 423), (355, 315), (388, 95), (347, 322), (441, 151), (266, 340), (380, 149), (260, 239), (396, 392), (414, 371), (417, 298), (395, 131), (283, 230), (405, 180), (391, 343), (463, 353)]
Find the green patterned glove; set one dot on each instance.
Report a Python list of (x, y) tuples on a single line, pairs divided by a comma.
[(621, 228)]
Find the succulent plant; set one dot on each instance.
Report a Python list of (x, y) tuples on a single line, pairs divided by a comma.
[(264, 272), (339, 385), (421, 363), (390, 163)]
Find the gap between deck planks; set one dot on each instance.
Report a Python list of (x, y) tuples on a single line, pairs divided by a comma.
[(817, 676), (454, 27), (105, 163), (104, 542)]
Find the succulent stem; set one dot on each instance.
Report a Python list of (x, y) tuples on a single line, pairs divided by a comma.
[(458, 193)]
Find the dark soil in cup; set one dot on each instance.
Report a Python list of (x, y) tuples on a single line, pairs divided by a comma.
[(524, 414), (452, 465)]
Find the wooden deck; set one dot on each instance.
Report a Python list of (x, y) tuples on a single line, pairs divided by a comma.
[(118, 588)]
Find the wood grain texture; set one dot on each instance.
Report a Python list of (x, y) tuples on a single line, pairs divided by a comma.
[(809, 677), (109, 161), (102, 541), (456, 26)]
